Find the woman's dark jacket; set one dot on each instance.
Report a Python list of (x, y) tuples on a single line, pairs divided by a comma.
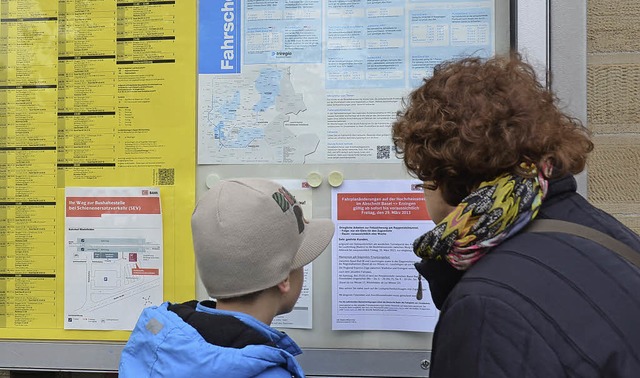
[(542, 305)]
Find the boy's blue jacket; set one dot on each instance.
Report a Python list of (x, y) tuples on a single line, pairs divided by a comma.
[(196, 340)]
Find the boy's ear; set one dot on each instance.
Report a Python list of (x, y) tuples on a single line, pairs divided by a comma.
[(285, 285)]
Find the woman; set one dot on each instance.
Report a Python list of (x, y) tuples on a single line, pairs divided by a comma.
[(494, 152)]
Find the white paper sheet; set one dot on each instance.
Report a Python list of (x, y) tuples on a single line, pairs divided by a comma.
[(113, 256), (374, 280), (302, 314)]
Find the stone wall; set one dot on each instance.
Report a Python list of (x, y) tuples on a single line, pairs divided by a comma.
[(613, 107)]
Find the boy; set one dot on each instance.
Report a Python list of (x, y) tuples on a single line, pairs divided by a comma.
[(251, 243)]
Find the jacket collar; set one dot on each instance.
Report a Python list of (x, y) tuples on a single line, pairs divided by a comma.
[(559, 188), (279, 338)]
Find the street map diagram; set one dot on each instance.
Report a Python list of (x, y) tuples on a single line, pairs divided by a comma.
[(113, 276), (113, 256)]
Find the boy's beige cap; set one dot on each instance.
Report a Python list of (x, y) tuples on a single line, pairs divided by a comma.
[(248, 234)]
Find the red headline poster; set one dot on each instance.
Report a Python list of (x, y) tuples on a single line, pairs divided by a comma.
[(374, 282), (382, 206)]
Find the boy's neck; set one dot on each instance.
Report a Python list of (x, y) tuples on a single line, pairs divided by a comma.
[(264, 307)]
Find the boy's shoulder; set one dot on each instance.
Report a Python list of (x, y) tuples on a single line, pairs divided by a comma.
[(164, 343)]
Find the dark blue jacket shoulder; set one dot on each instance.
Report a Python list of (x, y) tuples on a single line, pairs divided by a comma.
[(545, 305)]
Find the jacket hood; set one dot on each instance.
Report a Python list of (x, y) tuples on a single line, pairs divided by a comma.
[(162, 344), (219, 329)]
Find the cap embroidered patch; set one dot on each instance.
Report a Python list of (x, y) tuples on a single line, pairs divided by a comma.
[(286, 200)]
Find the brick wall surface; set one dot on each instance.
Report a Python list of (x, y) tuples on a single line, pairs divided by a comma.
[(613, 107)]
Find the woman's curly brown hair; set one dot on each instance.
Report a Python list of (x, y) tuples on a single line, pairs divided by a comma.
[(476, 119)]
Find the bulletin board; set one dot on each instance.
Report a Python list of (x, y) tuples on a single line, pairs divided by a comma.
[(272, 104), (136, 61), (97, 99)]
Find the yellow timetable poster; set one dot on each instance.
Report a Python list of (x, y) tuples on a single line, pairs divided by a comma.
[(94, 93)]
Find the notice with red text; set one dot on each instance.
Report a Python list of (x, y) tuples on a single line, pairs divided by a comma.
[(375, 284), (113, 256)]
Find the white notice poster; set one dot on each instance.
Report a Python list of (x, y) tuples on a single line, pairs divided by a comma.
[(113, 256), (301, 315), (374, 280)]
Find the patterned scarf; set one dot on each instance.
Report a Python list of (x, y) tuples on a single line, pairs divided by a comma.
[(492, 213)]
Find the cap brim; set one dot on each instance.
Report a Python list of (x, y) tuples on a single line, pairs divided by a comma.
[(318, 235)]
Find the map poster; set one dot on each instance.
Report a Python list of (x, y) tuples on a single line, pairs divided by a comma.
[(314, 82), (113, 256)]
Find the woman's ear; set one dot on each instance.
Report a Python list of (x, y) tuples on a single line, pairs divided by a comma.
[(285, 285)]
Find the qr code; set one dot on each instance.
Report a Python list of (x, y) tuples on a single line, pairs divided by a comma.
[(384, 152), (165, 176)]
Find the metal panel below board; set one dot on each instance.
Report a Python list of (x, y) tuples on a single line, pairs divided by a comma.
[(104, 358), (354, 363)]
